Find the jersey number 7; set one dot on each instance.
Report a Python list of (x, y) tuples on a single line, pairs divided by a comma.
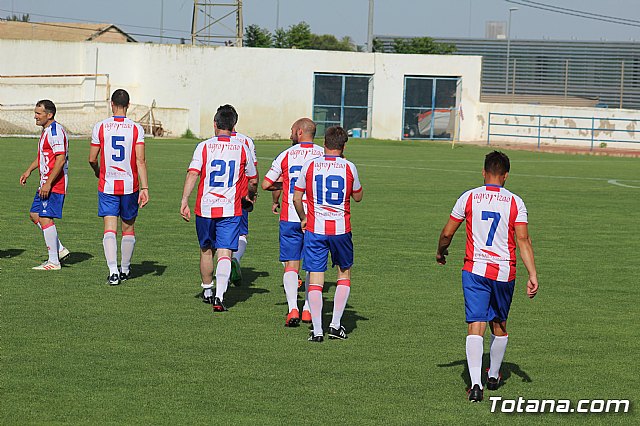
[(495, 216)]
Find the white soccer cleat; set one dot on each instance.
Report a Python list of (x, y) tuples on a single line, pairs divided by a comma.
[(62, 254), (47, 266)]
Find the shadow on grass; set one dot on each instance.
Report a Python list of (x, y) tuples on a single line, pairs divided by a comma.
[(9, 253), (147, 267), (508, 369), (243, 292), (76, 257)]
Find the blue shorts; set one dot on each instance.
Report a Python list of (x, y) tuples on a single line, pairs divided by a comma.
[(244, 223), (218, 233), (51, 207), (125, 206), (291, 241), (317, 247), (485, 299)]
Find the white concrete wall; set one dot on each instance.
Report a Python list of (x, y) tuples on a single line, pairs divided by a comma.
[(270, 88)]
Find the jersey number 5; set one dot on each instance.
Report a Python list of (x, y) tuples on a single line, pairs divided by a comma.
[(495, 217), (220, 170), (119, 156)]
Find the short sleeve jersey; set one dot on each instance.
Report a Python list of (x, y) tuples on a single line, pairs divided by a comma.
[(328, 182), (288, 165), (53, 142), (246, 140), (224, 166), (491, 213), (117, 138)]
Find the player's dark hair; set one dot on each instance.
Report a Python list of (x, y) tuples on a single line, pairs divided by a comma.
[(120, 98), (49, 106), (335, 137), (496, 163), (224, 119), (230, 108)]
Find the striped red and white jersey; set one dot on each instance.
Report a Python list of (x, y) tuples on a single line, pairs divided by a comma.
[(246, 140), (53, 142), (328, 182), (491, 213), (117, 138), (224, 165), (288, 165)]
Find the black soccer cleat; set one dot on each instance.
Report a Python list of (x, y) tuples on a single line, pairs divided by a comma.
[(218, 306), (207, 300), (113, 279), (493, 383), (125, 275), (475, 393), (317, 339), (338, 333)]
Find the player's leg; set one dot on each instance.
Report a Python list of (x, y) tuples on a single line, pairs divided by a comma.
[(291, 243), (47, 211), (63, 252), (128, 214), (110, 246), (306, 313), (236, 272), (227, 233), (341, 247), (477, 294), (502, 293), (315, 252), (205, 239)]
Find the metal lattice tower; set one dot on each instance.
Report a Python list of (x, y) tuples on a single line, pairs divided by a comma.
[(213, 23)]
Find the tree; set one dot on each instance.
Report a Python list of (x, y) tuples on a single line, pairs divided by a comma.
[(14, 17), (255, 36), (280, 39), (330, 42), (299, 36), (378, 45), (422, 46)]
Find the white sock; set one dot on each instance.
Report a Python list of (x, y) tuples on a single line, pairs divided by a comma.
[(207, 292), (474, 358), (290, 282), (111, 251), (306, 293), (60, 246), (340, 302), (51, 240), (127, 245), (223, 272), (498, 348), (242, 247), (315, 303)]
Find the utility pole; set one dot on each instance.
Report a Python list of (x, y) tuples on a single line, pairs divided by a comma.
[(506, 85), (370, 28)]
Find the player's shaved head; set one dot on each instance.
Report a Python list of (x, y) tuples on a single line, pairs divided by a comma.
[(496, 163), (335, 138), (120, 98), (49, 106), (307, 126), (232, 110)]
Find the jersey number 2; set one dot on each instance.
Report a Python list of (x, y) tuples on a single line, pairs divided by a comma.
[(495, 216)]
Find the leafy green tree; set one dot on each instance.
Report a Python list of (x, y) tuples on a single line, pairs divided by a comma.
[(422, 46), (255, 36), (378, 45), (280, 39), (299, 36), (23, 18), (330, 42)]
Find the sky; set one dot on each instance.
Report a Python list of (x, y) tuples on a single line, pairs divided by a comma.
[(433, 18)]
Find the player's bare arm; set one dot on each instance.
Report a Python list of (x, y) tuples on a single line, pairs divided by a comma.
[(446, 236), (94, 153), (275, 204), (189, 184), (526, 253), (141, 163), (357, 196), (45, 189), (27, 173), (297, 202)]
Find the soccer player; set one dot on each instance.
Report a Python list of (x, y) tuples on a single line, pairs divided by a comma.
[(118, 142), (329, 183), (227, 174), (496, 218), (52, 162), (282, 176), (236, 273)]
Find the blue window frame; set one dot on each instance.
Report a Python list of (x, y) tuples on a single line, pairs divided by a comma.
[(430, 106), (341, 100)]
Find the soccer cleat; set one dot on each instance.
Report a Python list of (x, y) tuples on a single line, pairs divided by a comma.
[(306, 316), (475, 393), (125, 275), (236, 273), (293, 319), (63, 254), (493, 383), (47, 266), (207, 300), (317, 339), (218, 306), (114, 279), (338, 333)]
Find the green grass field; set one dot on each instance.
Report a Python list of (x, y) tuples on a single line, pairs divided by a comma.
[(149, 351)]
